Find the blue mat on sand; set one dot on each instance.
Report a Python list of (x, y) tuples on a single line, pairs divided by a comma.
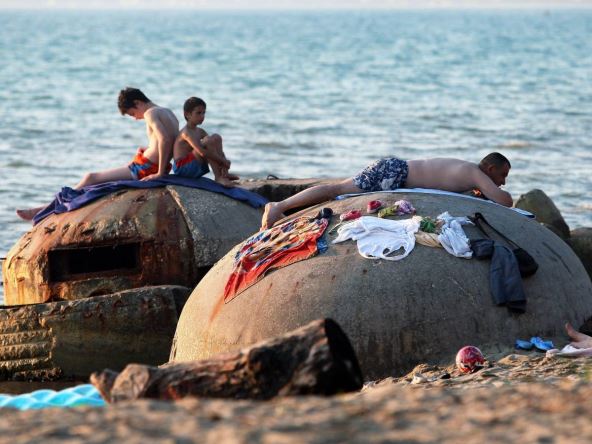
[(81, 395), (69, 199)]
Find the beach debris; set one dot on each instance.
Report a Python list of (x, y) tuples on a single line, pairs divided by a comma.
[(534, 342), (418, 378), (540, 344), (324, 213), (350, 215), (427, 225), (315, 359), (570, 351), (387, 211), (469, 359), (373, 206), (523, 345), (399, 208), (347, 217), (404, 207)]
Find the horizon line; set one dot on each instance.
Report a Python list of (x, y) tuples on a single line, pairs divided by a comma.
[(553, 7)]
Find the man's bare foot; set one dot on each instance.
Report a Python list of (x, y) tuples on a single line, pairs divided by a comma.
[(579, 340), (225, 182), (271, 215), (232, 176), (28, 214)]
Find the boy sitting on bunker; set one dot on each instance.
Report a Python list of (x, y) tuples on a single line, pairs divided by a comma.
[(194, 149), (153, 162), (389, 174)]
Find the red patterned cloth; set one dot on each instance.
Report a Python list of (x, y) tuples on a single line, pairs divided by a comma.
[(273, 248)]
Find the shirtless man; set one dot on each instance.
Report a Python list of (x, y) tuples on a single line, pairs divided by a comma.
[(392, 173), (149, 163)]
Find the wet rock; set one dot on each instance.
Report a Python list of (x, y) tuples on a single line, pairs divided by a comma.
[(71, 339), (279, 189), (538, 203), (581, 243)]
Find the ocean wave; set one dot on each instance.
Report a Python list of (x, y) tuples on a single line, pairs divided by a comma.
[(515, 144), (19, 164)]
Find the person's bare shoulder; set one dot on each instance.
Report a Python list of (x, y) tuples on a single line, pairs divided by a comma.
[(157, 112), (182, 133)]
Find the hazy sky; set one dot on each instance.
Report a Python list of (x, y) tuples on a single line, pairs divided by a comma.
[(290, 4)]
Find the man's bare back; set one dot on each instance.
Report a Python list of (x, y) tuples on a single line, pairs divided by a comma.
[(441, 173), (458, 176), (161, 125)]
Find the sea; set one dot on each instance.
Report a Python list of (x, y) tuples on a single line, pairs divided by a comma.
[(300, 94)]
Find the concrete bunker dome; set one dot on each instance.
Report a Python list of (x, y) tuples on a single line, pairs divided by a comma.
[(129, 239), (397, 314)]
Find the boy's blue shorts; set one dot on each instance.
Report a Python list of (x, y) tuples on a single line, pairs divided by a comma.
[(190, 166)]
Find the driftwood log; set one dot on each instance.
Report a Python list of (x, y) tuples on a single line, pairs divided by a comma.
[(315, 359)]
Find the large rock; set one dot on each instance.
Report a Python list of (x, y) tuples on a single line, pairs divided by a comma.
[(541, 205), (129, 239), (397, 314), (580, 241), (279, 189), (72, 339)]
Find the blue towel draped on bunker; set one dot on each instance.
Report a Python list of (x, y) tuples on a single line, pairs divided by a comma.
[(69, 199)]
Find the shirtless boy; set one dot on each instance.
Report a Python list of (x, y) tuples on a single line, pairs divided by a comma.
[(392, 173), (194, 149), (149, 163)]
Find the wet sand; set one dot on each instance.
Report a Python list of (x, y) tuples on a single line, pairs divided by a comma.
[(518, 398)]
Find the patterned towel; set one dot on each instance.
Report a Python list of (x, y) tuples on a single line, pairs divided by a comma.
[(276, 247)]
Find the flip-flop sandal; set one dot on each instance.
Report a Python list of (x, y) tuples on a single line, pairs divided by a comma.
[(540, 344), (523, 345)]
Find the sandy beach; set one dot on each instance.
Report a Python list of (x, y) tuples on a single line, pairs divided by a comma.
[(306, 93), (519, 398)]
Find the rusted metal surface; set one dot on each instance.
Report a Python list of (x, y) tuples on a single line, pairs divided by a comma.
[(126, 240), (71, 339), (129, 239)]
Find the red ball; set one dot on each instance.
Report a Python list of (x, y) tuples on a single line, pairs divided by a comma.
[(469, 359)]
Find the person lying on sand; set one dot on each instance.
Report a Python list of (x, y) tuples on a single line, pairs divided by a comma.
[(579, 340), (392, 173)]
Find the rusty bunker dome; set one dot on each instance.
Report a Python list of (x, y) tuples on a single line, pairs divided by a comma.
[(397, 314), (129, 239)]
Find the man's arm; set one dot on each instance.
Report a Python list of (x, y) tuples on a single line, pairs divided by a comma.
[(491, 190)]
